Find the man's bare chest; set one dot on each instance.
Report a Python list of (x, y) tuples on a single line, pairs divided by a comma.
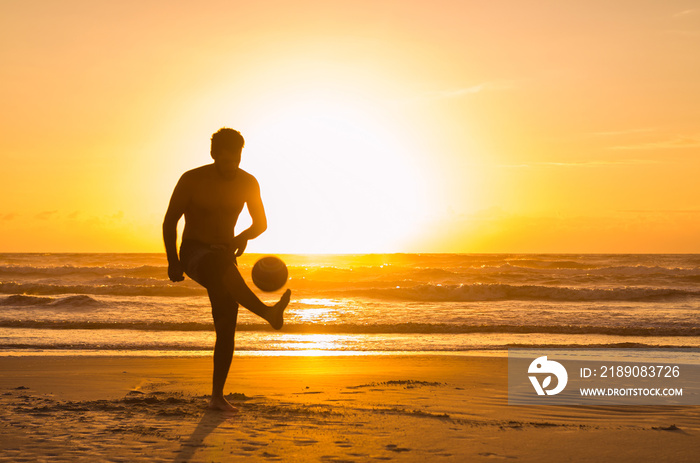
[(218, 197)]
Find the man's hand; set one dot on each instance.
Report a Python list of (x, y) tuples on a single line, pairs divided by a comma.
[(175, 272), (238, 245)]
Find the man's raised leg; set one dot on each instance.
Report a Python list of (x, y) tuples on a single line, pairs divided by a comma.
[(238, 288)]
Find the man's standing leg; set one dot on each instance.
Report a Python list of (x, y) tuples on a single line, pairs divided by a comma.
[(224, 310)]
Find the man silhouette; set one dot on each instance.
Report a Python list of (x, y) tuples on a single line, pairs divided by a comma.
[(211, 198)]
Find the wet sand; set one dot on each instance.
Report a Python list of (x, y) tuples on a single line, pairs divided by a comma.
[(325, 409)]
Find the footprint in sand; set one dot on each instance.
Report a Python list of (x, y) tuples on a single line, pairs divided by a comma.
[(305, 442), (335, 459), (495, 455), (270, 456), (396, 448)]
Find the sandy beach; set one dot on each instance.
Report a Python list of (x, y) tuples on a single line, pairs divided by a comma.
[(328, 409)]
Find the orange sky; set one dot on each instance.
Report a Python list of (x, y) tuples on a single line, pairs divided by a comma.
[(372, 126)]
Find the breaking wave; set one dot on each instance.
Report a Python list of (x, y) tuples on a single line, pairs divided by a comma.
[(347, 328), (21, 300), (500, 292), (424, 292), (164, 290)]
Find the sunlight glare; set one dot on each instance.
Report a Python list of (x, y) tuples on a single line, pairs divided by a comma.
[(341, 175)]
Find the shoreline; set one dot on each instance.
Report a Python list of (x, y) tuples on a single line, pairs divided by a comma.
[(499, 351), (89, 353), (314, 408)]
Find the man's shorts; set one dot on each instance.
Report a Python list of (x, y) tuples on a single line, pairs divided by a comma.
[(205, 263)]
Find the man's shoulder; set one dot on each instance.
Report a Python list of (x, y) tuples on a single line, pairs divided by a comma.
[(249, 181), (246, 176), (197, 174), (198, 171)]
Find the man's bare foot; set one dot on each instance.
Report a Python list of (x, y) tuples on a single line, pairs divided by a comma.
[(276, 317), (220, 403)]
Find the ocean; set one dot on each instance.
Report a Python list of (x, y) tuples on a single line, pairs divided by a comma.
[(124, 304)]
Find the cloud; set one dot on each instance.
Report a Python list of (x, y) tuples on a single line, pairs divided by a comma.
[(674, 143), (685, 19), (598, 163), (118, 216), (46, 215), (10, 216), (689, 12), (661, 211), (615, 133)]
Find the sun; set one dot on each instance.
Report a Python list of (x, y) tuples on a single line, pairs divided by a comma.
[(337, 176)]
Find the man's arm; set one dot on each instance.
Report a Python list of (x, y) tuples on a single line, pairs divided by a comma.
[(257, 214), (176, 209)]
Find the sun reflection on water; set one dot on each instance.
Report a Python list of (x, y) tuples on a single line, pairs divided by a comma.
[(311, 342), (321, 311), (318, 301)]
